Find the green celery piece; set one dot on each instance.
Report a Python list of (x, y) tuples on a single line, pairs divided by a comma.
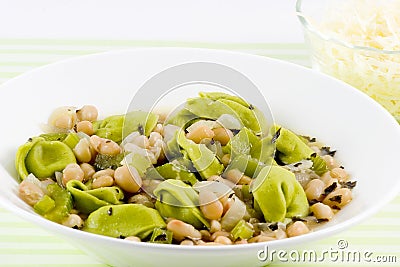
[(172, 150), (118, 126), (279, 195), (103, 162), (87, 201), (47, 157), (44, 205), (171, 170), (161, 236), (71, 140), (242, 230), (203, 159), (124, 220), (20, 157), (175, 199), (54, 136), (218, 95), (292, 149), (63, 203)]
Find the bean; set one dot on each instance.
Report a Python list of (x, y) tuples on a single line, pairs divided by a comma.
[(215, 226), (141, 198), (280, 234), (29, 192), (82, 151), (209, 244), (219, 233), (141, 141), (223, 240), (330, 162), (321, 211), (315, 189), (297, 228), (187, 242), (339, 174), (128, 178), (222, 135), (72, 172), (85, 127), (133, 238), (181, 230), (210, 205), (261, 238), (87, 113), (73, 221), (338, 198), (237, 177), (241, 242), (205, 235), (226, 159), (200, 133), (159, 129), (109, 172), (88, 171), (103, 181)]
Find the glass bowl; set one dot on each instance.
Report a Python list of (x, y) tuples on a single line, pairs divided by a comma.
[(371, 68)]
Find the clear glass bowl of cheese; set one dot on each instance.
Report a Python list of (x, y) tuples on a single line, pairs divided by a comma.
[(357, 41)]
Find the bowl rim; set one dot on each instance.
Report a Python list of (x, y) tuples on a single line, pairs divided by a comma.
[(308, 26), (288, 243)]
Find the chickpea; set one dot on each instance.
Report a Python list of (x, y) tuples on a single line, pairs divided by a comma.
[(330, 162), (85, 127), (103, 181), (29, 192), (315, 189), (88, 171), (154, 137), (104, 146), (73, 221), (200, 133), (222, 135), (338, 198), (210, 205), (128, 178), (159, 129), (72, 172), (297, 228), (321, 211), (87, 113)]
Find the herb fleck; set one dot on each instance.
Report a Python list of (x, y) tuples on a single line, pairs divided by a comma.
[(109, 211), (251, 107), (330, 188), (276, 136), (273, 226), (349, 184), (337, 198), (140, 129)]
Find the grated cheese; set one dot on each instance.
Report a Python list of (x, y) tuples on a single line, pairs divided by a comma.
[(367, 23)]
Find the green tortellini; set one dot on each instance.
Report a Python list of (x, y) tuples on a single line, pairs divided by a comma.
[(43, 158), (279, 195), (58, 205), (114, 127), (124, 220), (171, 170), (178, 200), (88, 201), (204, 160), (292, 149)]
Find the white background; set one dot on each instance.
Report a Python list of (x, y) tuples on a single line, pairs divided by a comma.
[(176, 20)]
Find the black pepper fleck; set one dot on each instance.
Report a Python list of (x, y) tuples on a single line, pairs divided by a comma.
[(109, 211), (140, 129)]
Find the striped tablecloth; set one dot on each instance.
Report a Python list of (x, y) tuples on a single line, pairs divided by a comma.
[(24, 244)]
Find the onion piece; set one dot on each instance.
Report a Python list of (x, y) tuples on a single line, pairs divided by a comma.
[(220, 189), (230, 122), (234, 214)]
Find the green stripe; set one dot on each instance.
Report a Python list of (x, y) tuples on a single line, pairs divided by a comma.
[(29, 239), (47, 52), (156, 43), (15, 224), (22, 64), (40, 251), (57, 264), (9, 74)]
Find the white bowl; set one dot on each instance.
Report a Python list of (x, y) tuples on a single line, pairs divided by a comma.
[(366, 136)]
